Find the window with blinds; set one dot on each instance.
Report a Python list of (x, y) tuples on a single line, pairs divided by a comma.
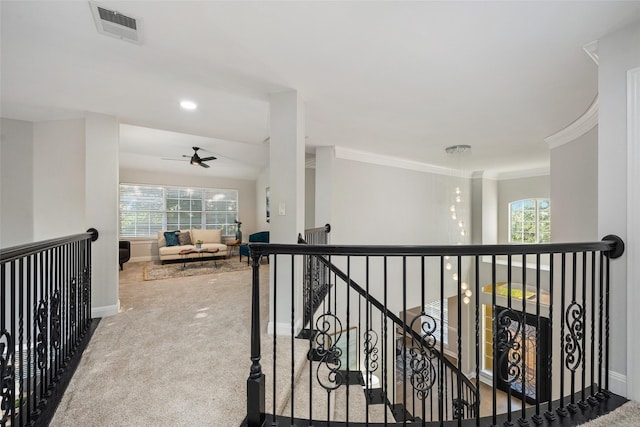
[(145, 210)]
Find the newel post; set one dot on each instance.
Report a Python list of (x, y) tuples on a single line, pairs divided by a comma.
[(255, 382)]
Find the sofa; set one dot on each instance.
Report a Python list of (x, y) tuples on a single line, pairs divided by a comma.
[(186, 239), (259, 237)]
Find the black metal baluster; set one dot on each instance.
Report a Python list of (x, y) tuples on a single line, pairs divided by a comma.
[(549, 414), (348, 376), (600, 395), (293, 335), (367, 320), (404, 340), (562, 411), (537, 419), (30, 372), (506, 344), (6, 377), (21, 284), (385, 341), (572, 339), (423, 299), (494, 326), (476, 402), (523, 419), (441, 374), (311, 260), (583, 401), (458, 408), (593, 401), (607, 391)]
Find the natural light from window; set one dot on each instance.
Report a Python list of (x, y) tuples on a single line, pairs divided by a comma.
[(145, 210), (530, 221)]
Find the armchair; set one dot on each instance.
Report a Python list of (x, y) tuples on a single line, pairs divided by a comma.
[(260, 236), (125, 251)]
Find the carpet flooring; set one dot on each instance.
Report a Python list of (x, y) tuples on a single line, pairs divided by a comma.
[(177, 354)]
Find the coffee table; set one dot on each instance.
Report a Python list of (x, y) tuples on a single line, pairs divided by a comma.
[(202, 251)]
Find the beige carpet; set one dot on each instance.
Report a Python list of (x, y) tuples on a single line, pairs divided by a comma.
[(628, 415), (177, 354)]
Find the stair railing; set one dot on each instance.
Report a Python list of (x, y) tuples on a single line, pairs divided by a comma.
[(315, 278), (552, 327), (45, 324)]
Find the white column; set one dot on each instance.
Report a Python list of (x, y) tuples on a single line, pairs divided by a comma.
[(618, 53), (325, 157), (286, 151), (101, 207)]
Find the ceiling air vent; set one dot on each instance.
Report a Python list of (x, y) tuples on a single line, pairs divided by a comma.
[(115, 24)]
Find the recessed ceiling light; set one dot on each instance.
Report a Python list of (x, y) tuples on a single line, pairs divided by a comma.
[(188, 105)]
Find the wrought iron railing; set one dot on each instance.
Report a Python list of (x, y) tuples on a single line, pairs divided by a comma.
[(316, 278), (45, 323), (529, 321)]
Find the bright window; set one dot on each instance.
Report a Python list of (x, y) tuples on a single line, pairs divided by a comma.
[(145, 210), (530, 221)]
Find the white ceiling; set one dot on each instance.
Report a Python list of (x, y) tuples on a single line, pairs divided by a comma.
[(401, 79)]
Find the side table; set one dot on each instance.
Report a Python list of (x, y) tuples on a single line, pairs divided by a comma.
[(234, 248)]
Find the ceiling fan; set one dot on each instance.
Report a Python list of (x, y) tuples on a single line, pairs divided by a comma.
[(197, 160)]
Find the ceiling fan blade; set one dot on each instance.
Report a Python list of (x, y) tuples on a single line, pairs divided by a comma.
[(175, 160), (184, 155), (204, 165), (206, 159)]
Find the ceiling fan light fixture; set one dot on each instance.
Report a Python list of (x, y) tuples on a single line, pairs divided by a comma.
[(188, 105)]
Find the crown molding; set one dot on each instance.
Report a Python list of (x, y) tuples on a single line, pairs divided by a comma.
[(395, 162), (529, 173), (575, 130), (591, 49)]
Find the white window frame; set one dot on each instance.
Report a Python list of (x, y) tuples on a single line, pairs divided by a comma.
[(537, 202), (229, 226)]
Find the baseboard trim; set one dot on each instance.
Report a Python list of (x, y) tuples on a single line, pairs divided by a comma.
[(283, 329), (105, 311), (618, 383)]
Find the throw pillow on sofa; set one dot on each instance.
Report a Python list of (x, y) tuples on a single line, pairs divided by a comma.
[(184, 237), (171, 237)]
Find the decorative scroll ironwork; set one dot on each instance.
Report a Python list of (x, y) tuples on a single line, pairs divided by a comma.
[(56, 330), (328, 370), (85, 285), (459, 407), (371, 350), (422, 372), (7, 364), (41, 338), (72, 301), (508, 333), (572, 347)]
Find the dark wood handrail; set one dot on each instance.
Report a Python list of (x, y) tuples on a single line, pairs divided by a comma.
[(20, 251), (611, 244)]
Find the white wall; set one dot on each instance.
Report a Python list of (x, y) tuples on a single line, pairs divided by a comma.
[(510, 190), (309, 198), (143, 249), (618, 53), (375, 204), (16, 183), (574, 190), (59, 178)]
